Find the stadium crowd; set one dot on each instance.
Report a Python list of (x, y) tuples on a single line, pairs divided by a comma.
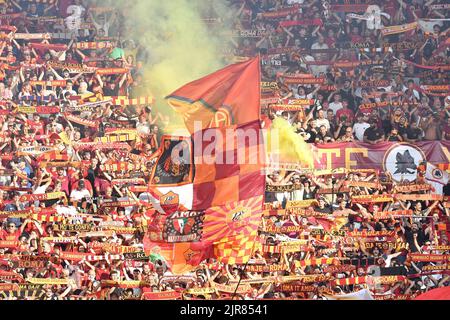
[(79, 139)]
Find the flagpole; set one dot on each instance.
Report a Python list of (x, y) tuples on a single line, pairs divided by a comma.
[(242, 272)]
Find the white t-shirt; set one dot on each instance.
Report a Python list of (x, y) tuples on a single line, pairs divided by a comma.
[(296, 195), (415, 92), (78, 195), (335, 106), (308, 96), (359, 129), (306, 58), (323, 122), (319, 56), (59, 127), (40, 189), (317, 70), (73, 21), (75, 10), (291, 2), (319, 46)]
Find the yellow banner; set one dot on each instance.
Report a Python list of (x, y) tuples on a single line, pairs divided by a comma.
[(51, 281), (301, 203)]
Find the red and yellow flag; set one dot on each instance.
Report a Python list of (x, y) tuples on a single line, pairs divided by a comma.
[(226, 97), (230, 188), (235, 250), (232, 219)]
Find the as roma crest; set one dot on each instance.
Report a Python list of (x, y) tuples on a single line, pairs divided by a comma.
[(238, 217), (402, 161), (174, 165), (170, 202), (189, 255)]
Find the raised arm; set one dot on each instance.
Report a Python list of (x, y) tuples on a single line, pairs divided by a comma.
[(430, 209), (57, 76)]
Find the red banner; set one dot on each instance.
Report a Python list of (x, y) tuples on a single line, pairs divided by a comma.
[(93, 45), (292, 80), (54, 83), (349, 7), (167, 295), (400, 159), (429, 257), (303, 22), (281, 13), (370, 234), (108, 71)]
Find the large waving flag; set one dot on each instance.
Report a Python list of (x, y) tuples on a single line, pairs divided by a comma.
[(208, 189), (226, 97)]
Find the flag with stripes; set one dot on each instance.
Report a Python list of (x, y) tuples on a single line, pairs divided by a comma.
[(215, 177), (205, 175)]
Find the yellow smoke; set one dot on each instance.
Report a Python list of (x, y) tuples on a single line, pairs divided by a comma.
[(182, 47), (288, 145)]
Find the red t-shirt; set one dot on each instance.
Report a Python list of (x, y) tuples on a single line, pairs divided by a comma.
[(5, 235), (31, 227), (330, 42), (71, 61), (37, 126), (123, 218), (102, 274), (391, 7), (346, 113), (356, 38)]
